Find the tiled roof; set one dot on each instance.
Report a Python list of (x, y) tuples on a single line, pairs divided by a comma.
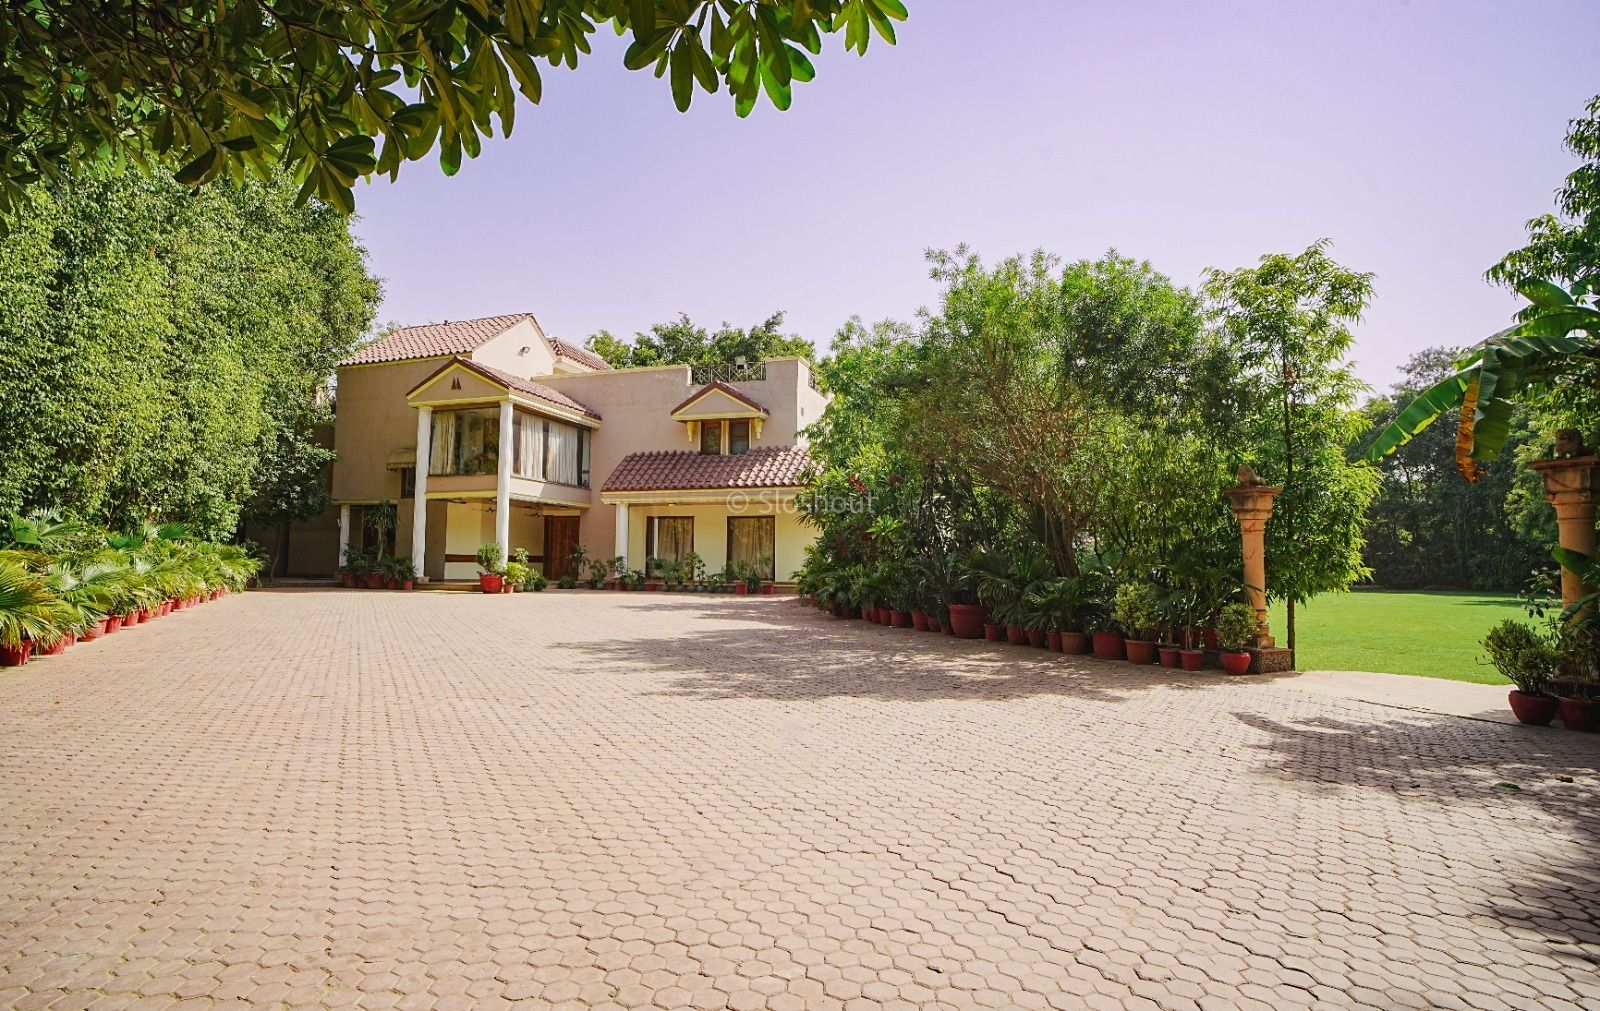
[(434, 340), (581, 355), (686, 470), (721, 387), (532, 389)]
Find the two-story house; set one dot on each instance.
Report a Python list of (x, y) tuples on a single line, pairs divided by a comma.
[(488, 430)]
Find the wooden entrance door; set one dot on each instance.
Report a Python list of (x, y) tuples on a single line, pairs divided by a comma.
[(560, 537)]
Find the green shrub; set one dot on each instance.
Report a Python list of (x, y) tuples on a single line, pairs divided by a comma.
[(517, 574), (1521, 655), (489, 559), (536, 582), (1236, 626), (1137, 610)]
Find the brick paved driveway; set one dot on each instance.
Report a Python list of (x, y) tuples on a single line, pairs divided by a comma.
[(336, 799)]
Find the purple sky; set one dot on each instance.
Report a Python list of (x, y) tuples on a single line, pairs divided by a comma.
[(1419, 137)]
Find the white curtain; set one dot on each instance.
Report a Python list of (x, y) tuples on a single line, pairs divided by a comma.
[(530, 446), (563, 466), (751, 540)]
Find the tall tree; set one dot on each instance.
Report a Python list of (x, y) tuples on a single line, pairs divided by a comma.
[(212, 89), (1289, 319), (163, 354), (1564, 247), (683, 342)]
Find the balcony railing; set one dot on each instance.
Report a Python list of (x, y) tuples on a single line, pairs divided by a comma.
[(728, 372)]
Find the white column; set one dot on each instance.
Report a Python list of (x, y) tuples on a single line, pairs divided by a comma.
[(502, 488), (419, 504), (622, 533), (344, 531)]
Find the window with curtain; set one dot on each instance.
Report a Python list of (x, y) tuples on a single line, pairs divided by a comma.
[(528, 444), (668, 537), (562, 446), (711, 438), (738, 436), (464, 442), (752, 539)]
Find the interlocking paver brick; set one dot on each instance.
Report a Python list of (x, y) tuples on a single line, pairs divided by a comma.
[(329, 799)]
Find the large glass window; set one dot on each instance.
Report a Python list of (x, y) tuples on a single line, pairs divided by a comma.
[(668, 537), (752, 540), (739, 436), (464, 442), (528, 444)]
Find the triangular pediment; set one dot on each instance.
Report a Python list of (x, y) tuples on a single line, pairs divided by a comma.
[(458, 380), (717, 400)]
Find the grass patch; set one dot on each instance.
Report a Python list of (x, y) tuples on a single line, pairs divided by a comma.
[(1430, 634)]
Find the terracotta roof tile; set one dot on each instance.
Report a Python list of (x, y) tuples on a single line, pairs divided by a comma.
[(533, 389), (722, 387), (581, 355), (433, 340), (686, 470)]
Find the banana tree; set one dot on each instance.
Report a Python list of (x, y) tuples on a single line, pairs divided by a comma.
[(1558, 337)]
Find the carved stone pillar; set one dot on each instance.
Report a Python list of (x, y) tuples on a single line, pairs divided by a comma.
[(1252, 506), (1572, 484)]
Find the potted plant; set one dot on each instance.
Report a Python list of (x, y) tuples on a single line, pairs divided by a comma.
[(763, 565), (1236, 630), (567, 582), (29, 614), (656, 569), (491, 571), (1576, 636), (516, 576), (536, 581), (1106, 637), (1137, 611), (1526, 659)]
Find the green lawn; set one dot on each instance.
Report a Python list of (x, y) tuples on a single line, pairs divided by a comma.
[(1432, 634)]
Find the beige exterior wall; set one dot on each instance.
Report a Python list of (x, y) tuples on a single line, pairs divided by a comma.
[(711, 532), (521, 350), (636, 405), (373, 421)]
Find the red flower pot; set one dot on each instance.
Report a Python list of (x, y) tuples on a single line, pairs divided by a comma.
[(1108, 645), (919, 621), (1052, 641), (1534, 710), (1074, 643), (900, 619), (130, 619), (1236, 663), (741, 589), (144, 614), (1167, 655), (54, 649), (113, 623), (935, 626), (653, 585), (1580, 714), (408, 584), (490, 582), (1140, 651), (966, 620), (994, 632), (15, 656), (95, 631), (1193, 659), (375, 581), (1016, 635), (1036, 638), (1209, 637), (769, 588), (348, 579)]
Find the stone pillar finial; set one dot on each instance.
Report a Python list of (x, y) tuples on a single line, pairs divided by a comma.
[(1572, 484), (1251, 502)]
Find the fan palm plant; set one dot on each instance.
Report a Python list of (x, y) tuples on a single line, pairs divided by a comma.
[(1005, 578), (29, 611), (1558, 338)]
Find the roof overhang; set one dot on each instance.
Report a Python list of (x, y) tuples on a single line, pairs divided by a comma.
[(461, 383), (700, 496)]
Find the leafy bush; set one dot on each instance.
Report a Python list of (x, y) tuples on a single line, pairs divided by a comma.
[(1137, 610), (517, 573), (1236, 627), (1521, 655), (535, 582), (489, 559)]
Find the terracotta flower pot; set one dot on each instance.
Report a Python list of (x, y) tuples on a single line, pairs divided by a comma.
[(741, 589), (1580, 714), (769, 588), (144, 614), (966, 620), (1052, 641), (490, 582), (1140, 650), (1235, 663), (1167, 655), (1016, 635), (130, 619), (994, 632), (375, 581), (901, 619), (1036, 638), (1193, 659), (15, 656), (95, 631), (919, 621), (1074, 643), (113, 623), (1108, 645), (54, 649), (408, 584), (348, 579), (1534, 710)]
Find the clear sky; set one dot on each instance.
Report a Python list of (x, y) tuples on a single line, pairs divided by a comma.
[(1417, 136)]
